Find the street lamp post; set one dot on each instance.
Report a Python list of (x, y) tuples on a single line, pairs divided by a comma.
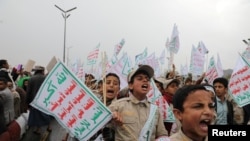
[(65, 16)]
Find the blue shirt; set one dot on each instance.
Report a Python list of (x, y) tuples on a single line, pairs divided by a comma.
[(222, 111)]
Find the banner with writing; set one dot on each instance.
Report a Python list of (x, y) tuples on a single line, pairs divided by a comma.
[(155, 96), (239, 85), (197, 62), (122, 68), (73, 105), (211, 72), (93, 55)]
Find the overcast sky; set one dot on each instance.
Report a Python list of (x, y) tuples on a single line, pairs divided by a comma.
[(34, 29)]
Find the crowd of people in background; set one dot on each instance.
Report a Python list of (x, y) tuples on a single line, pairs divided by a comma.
[(195, 104), (13, 86)]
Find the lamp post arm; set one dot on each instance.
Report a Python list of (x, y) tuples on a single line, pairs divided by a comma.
[(60, 8), (71, 9)]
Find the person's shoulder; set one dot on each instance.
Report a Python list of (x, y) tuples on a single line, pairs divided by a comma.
[(124, 99), (120, 101), (177, 136), (6, 92)]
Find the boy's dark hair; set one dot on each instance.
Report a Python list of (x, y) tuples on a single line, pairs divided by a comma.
[(115, 75), (160, 83), (188, 79), (221, 80), (100, 82), (4, 80), (182, 93), (2, 62), (89, 75)]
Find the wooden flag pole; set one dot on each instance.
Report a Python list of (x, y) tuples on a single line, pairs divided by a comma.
[(104, 78)]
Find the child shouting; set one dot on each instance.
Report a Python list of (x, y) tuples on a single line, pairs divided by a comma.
[(194, 108)]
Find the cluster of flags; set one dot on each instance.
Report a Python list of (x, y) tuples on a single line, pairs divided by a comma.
[(53, 96), (123, 65)]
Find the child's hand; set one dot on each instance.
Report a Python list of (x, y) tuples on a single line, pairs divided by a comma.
[(117, 119)]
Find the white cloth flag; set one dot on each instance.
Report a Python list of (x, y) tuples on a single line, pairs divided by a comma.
[(174, 44), (93, 55), (162, 57), (117, 49), (246, 53), (140, 57), (153, 62), (219, 66), (202, 48), (239, 85), (184, 70), (197, 62), (122, 68), (211, 72), (155, 96)]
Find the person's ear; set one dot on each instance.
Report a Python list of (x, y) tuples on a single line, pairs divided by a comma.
[(177, 113), (130, 86)]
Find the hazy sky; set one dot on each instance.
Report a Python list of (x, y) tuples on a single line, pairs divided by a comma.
[(34, 29)]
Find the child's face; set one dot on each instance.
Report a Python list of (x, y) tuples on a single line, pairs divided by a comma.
[(198, 113), (171, 88), (158, 85), (2, 85), (100, 88), (10, 85), (140, 86), (88, 79), (112, 87), (25, 83)]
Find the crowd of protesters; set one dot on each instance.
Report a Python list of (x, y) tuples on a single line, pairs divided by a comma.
[(195, 104), (13, 86)]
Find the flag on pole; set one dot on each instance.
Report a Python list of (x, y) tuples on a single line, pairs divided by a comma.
[(174, 44), (162, 57), (140, 57), (155, 96), (197, 62), (246, 53), (184, 70), (202, 48), (118, 47), (219, 66), (122, 69), (93, 55), (239, 86), (211, 73)]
